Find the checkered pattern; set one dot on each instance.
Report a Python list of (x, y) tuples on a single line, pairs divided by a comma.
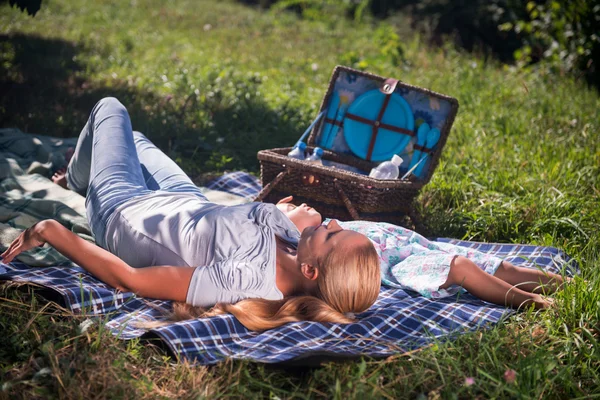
[(239, 182), (80, 292), (399, 321)]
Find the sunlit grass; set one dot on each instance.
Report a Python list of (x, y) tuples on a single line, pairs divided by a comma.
[(213, 82)]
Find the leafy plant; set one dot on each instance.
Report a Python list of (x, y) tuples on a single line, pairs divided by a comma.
[(561, 32)]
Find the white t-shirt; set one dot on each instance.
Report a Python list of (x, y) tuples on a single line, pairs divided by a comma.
[(233, 248)]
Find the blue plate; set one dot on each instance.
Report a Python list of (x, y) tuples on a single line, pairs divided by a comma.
[(358, 135), (328, 128)]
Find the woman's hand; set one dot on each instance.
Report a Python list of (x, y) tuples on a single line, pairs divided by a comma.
[(27, 240), (286, 200)]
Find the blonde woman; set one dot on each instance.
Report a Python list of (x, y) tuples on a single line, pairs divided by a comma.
[(158, 236), (436, 269)]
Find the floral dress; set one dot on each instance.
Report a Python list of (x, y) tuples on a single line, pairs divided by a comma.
[(410, 261)]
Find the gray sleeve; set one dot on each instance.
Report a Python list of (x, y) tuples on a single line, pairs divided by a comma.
[(229, 282)]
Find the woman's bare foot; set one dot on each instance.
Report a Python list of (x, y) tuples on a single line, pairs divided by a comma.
[(543, 303), (60, 176)]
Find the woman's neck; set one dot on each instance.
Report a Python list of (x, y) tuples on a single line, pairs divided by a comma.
[(288, 277)]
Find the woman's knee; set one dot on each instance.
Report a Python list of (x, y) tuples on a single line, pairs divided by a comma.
[(109, 103), (109, 108), (504, 269), (460, 263), (457, 272), (460, 268)]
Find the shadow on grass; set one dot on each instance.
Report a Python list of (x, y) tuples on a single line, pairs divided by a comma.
[(44, 90)]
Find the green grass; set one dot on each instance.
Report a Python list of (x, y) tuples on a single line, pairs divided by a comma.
[(521, 165)]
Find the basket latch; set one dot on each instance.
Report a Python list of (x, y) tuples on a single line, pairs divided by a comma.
[(389, 85)]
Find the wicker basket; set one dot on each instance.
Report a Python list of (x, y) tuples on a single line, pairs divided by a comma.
[(342, 194)]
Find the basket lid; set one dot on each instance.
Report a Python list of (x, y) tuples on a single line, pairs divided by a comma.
[(436, 109)]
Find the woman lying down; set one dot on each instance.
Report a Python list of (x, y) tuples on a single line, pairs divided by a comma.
[(158, 236)]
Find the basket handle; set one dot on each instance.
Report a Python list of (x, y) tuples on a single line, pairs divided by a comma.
[(346, 200), (267, 189)]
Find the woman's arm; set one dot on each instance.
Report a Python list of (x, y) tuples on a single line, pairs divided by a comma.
[(164, 282)]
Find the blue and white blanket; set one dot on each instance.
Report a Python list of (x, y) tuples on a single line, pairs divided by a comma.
[(398, 322)]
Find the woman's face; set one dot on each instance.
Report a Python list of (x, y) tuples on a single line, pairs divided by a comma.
[(302, 216), (318, 241)]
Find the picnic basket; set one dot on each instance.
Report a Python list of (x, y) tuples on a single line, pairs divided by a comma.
[(341, 188)]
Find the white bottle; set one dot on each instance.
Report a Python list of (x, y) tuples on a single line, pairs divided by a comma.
[(315, 157), (298, 151), (387, 169)]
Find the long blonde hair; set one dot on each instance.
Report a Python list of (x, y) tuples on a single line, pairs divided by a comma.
[(348, 283)]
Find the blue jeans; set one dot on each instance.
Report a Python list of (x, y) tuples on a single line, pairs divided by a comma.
[(112, 164)]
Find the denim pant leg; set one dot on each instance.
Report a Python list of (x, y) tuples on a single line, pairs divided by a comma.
[(106, 163), (160, 172)]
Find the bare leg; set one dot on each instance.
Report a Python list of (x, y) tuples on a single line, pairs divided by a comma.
[(467, 274), (529, 280)]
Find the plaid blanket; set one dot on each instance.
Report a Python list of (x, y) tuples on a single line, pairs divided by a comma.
[(399, 321), (28, 196)]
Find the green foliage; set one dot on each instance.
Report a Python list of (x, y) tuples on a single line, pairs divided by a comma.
[(388, 50), (564, 33), (388, 42)]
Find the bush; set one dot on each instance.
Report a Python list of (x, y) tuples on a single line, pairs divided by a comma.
[(561, 32)]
